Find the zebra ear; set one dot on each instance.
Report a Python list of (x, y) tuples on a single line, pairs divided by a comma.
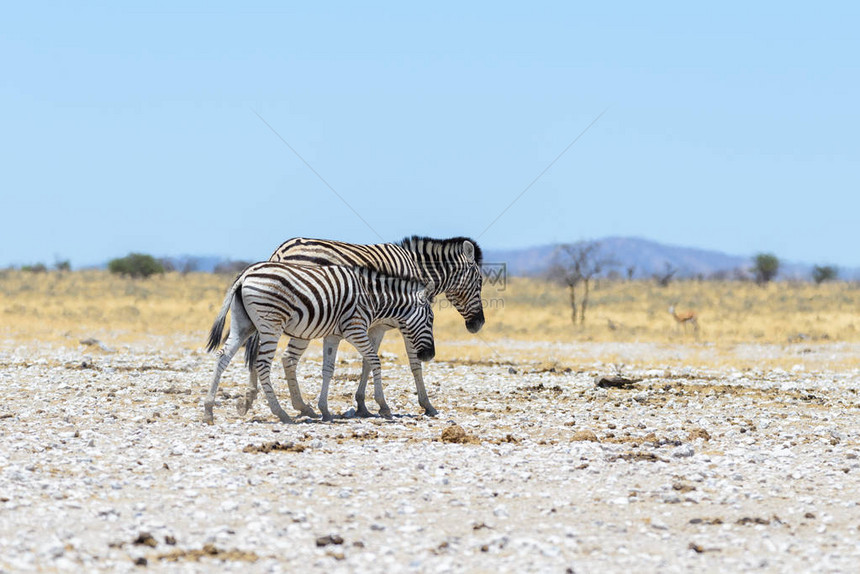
[(469, 250)]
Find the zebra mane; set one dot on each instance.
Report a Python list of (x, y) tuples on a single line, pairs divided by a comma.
[(412, 243)]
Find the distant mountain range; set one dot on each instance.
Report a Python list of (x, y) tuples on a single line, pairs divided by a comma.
[(643, 257)]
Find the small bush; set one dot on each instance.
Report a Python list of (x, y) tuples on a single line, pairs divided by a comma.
[(135, 265), (765, 267), (35, 268), (64, 265), (822, 273)]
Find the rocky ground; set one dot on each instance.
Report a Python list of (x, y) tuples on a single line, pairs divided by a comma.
[(106, 466)]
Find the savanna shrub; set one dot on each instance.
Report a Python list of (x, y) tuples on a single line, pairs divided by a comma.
[(135, 265)]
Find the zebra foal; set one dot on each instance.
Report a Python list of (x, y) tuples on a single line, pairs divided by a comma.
[(335, 302), (450, 266)]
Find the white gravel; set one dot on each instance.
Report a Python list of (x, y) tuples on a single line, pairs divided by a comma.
[(104, 463)]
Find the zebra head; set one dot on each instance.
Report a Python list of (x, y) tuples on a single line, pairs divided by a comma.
[(465, 290), (417, 326)]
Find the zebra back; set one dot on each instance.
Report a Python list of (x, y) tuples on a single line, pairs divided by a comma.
[(443, 262), (451, 265)]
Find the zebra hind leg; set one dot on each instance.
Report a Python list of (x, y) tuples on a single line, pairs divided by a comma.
[(268, 346), (290, 360), (243, 404), (330, 345), (239, 331)]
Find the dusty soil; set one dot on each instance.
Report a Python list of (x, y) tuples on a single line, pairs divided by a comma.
[(106, 466)]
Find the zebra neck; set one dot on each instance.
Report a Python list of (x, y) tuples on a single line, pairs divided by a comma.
[(435, 265), (385, 294)]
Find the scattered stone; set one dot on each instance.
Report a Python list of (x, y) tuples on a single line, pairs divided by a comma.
[(208, 550), (748, 520), (329, 539), (706, 521), (456, 434), (684, 451), (145, 539), (90, 342), (698, 433), (268, 447), (407, 490), (615, 382), (637, 457), (584, 435)]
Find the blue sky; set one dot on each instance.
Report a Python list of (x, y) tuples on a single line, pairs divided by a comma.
[(133, 126)]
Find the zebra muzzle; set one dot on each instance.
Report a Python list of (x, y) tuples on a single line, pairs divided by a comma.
[(427, 353)]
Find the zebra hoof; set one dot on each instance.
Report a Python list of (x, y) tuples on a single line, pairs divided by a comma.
[(385, 413), (242, 407), (309, 412), (430, 411), (363, 413)]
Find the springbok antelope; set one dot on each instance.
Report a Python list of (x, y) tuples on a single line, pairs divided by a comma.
[(686, 318)]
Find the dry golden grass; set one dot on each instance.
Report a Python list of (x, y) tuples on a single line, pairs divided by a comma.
[(66, 307), (728, 312)]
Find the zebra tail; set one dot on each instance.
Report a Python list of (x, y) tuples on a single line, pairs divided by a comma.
[(217, 329), (252, 347)]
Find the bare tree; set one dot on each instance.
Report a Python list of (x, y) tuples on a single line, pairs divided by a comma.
[(665, 277), (576, 264)]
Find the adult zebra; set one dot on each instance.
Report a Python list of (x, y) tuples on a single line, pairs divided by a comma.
[(334, 302), (450, 266)]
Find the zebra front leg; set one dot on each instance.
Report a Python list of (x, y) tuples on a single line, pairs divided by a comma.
[(330, 345), (268, 346), (362, 342), (290, 360), (360, 405), (415, 366), (375, 334), (384, 411), (423, 399)]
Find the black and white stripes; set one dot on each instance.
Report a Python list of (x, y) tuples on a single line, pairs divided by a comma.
[(309, 302), (450, 266)]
